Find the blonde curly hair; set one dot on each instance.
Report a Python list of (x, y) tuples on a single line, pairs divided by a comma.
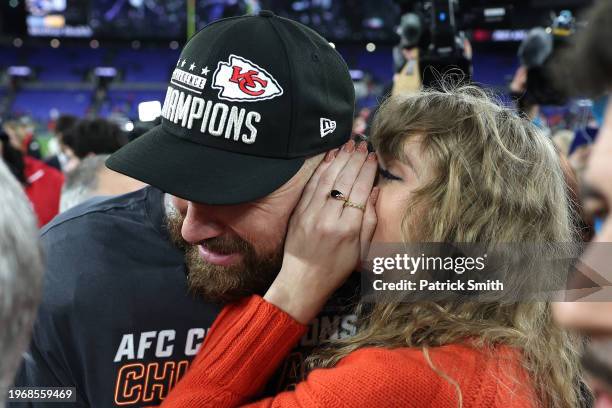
[(496, 179)]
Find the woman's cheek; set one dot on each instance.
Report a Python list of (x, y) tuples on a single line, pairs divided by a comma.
[(389, 214)]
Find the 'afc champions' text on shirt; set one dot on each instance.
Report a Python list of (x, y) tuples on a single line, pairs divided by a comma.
[(149, 364), (218, 119)]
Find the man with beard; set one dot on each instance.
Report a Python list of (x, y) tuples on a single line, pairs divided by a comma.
[(252, 105)]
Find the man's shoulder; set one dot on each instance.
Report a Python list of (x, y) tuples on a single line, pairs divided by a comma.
[(103, 209), (108, 247), (103, 239)]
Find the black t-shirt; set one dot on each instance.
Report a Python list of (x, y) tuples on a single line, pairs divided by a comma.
[(117, 320)]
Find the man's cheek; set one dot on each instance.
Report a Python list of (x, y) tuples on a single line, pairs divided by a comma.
[(270, 244)]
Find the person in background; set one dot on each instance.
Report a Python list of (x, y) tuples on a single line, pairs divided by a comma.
[(12, 158), (42, 183), (21, 271), (91, 179), (21, 134), (585, 69), (62, 160), (91, 137), (525, 103)]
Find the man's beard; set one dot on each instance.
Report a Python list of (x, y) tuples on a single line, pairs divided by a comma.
[(252, 274)]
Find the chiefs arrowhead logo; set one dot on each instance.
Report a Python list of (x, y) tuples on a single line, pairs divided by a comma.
[(242, 80)]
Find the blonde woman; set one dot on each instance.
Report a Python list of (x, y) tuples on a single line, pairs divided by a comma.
[(455, 167)]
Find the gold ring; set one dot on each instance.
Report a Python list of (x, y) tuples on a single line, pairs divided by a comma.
[(348, 203)]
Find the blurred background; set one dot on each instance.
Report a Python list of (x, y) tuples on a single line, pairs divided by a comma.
[(67, 60), (112, 58)]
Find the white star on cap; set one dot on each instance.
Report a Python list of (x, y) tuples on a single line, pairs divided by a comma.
[(192, 66), (205, 71), (183, 63)]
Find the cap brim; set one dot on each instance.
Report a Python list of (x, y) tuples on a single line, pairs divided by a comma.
[(199, 173)]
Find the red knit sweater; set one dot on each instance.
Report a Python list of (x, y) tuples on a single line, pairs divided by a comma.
[(249, 340)]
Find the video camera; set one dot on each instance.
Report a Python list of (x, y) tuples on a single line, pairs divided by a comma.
[(432, 28)]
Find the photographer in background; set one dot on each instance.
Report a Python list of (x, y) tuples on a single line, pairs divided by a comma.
[(532, 85), (585, 68), (432, 46)]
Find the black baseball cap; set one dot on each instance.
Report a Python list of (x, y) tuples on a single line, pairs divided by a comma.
[(250, 99)]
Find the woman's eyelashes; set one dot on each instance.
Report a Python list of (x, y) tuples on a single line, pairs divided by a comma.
[(384, 173)]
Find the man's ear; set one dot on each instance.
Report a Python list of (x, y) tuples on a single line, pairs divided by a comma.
[(179, 204)]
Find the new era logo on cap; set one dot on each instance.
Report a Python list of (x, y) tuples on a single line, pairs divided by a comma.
[(242, 80), (327, 126)]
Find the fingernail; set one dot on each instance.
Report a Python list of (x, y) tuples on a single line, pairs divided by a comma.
[(363, 147), (329, 156), (349, 146), (372, 156), (335, 153)]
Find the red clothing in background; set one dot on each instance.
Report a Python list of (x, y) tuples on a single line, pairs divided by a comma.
[(44, 189), (249, 339)]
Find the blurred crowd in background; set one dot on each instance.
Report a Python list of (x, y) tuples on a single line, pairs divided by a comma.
[(67, 99)]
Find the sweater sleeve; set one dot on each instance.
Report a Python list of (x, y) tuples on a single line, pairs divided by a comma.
[(250, 338), (244, 347)]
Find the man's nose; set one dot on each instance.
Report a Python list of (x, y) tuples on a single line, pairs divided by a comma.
[(200, 224)]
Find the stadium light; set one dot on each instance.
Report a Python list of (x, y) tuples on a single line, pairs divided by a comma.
[(19, 71), (149, 111), (356, 74), (105, 72), (19, 74), (494, 13)]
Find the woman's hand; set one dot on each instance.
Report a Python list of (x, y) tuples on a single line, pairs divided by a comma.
[(326, 238)]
